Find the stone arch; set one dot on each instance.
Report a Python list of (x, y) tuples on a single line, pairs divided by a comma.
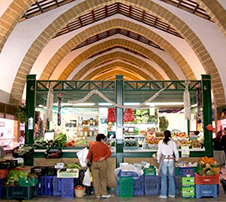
[(11, 17), (114, 72), (116, 64), (118, 55), (216, 12), (112, 43), (147, 6)]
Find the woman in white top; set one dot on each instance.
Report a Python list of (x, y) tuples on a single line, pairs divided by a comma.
[(167, 149)]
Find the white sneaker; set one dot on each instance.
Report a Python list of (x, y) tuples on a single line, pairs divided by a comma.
[(106, 196)]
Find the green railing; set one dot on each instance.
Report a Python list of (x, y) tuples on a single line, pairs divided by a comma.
[(44, 85), (157, 85)]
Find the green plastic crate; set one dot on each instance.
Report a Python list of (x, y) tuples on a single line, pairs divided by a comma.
[(187, 181), (187, 192), (126, 187), (150, 171), (177, 171), (28, 182), (23, 193)]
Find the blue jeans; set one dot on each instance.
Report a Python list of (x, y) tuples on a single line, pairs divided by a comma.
[(167, 167)]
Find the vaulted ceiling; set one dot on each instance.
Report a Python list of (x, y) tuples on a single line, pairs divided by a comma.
[(96, 40)]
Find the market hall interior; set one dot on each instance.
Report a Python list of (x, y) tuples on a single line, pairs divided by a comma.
[(76, 46)]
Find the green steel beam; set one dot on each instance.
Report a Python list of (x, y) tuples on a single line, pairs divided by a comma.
[(207, 114), (30, 110), (43, 85), (157, 85), (119, 119)]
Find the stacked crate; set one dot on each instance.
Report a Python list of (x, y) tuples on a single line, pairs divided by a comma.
[(187, 183), (127, 183), (151, 182), (206, 186)]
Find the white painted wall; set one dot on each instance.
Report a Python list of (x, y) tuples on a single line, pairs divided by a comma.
[(223, 3), (176, 121), (4, 4)]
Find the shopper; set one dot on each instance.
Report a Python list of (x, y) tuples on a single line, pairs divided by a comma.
[(99, 153), (218, 147), (166, 155), (224, 141)]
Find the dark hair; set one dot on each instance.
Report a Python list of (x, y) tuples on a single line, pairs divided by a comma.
[(196, 132), (218, 136), (167, 135), (100, 137)]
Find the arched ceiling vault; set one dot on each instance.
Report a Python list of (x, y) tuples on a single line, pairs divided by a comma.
[(97, 71), (112, 43), (115, 72), (117, 55), (148, 6), (117, 23)]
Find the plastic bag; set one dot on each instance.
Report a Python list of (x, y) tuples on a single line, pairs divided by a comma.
[(111, 115), (82, 156), (129, 168), (128, 115), (88, 178)]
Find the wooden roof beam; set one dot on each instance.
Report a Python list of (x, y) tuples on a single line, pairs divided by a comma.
[(40, 8)]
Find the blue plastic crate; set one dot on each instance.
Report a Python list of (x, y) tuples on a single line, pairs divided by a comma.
[(25, 193), (41, 186), (206, 191), (151, 185), (117, 186), (218, 189), (67, 187), (48, 185), (187, 172), (138, 186), (127, 174), (56, 186), (177, 185)]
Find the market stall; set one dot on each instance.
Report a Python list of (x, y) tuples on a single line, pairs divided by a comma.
[(132, 141)]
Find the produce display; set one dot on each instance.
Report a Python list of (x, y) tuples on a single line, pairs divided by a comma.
[(206, 172), (60, 141), (15, 176), (23, 151), (207, 160), (143, 116)]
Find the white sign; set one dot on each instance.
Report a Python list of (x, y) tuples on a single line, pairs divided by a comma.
[(30, 124), (185, 152)]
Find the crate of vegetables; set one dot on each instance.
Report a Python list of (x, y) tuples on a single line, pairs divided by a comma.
[(8, 164), (131, 144), (53, 153), (23, 151)]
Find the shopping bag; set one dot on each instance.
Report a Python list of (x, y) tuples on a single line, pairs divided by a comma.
[(82, 154), (87, 180)]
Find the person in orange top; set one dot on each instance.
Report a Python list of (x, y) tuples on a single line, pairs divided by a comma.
[(99, 153)]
